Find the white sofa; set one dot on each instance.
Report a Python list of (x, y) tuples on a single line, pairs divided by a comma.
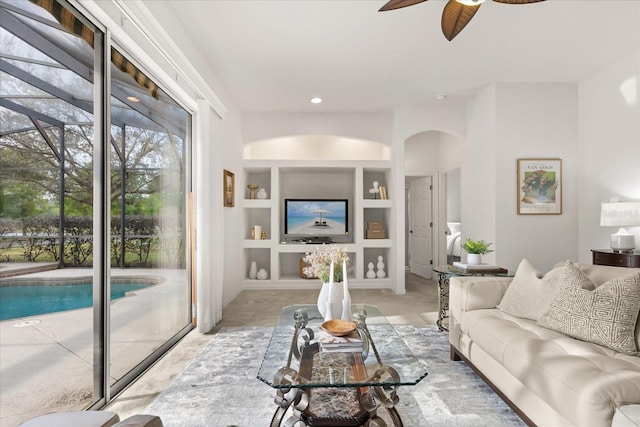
[(547, 377)]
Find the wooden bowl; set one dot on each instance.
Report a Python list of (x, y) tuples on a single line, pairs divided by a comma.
[(339, 327)]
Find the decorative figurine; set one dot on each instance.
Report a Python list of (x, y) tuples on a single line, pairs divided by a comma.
[(380, 274), (371, 274), (375, 190), (252, 190)]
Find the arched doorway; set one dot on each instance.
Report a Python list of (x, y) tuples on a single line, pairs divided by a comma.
[(431, 158)]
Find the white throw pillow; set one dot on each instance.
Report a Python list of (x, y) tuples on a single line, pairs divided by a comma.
[(529, 295), (604, 315)]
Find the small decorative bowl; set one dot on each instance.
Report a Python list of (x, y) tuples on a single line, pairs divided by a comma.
[(339, 327)]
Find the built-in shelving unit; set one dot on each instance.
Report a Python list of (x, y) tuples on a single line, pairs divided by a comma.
[(316, 179)]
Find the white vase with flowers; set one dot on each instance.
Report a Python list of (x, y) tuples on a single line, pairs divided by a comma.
[(329, 264)]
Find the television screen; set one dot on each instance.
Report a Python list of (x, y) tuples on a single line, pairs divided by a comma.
[(316, 217)]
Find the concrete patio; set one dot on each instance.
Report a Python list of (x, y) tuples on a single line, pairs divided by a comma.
[(46, 361)]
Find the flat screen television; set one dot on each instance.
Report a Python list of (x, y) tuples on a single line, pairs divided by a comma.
[(316, 217)]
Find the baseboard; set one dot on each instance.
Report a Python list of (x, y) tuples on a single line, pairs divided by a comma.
[(456, 355)]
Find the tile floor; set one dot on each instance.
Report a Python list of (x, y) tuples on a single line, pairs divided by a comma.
[(418, 306)]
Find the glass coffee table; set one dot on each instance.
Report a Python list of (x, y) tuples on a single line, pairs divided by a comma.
[(321, 388)]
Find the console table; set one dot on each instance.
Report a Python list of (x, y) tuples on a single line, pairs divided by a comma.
[(444, 273), (316, 388), (616, 259)]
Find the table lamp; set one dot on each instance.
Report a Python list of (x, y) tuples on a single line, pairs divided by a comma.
[(622, 214)]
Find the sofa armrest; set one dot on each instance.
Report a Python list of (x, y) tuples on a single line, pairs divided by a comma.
[(475, 293), (472, 293)]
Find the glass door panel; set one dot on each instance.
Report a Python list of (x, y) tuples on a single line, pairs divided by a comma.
[(148, 217)]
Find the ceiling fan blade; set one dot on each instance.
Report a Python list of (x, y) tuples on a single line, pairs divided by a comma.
[(455, 17), (397, 4), (517, 1)]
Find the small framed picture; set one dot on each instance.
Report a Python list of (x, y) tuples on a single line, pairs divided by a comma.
[(539, 186), (229, 188)]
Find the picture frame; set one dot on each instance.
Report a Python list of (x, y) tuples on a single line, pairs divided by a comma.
[(228, 188), (539, 186)]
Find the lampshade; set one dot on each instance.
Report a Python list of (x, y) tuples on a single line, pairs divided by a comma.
[(623, 214)]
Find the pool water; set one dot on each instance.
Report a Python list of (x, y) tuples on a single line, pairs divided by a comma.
[(31, 300)]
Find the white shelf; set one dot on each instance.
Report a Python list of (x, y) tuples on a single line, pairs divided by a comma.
[(376, 243), (315, 179), (248, 243), (376, 203), (310, 247), (257, 203)]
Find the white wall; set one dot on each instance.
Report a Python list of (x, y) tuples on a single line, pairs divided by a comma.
[(535, 120), (510, 121), (316, 147), (449, 152), (478, 172), (368, 126), (453, 196), (421, 153), (609, 155)]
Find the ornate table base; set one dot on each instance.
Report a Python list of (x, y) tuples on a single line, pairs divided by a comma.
[(359, 404), (443, 301)]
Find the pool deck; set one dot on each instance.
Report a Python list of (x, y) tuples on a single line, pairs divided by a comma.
[(46, 361), (13, 269)]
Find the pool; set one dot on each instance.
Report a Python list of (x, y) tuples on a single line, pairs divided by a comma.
[(29, 300)]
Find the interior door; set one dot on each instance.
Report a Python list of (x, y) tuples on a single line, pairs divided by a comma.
[(421, 227)]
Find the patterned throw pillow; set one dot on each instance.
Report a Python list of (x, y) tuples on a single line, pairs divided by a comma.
[(604, 315), (529, 295)]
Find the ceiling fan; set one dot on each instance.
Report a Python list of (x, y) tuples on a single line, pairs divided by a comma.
[(456, 14)]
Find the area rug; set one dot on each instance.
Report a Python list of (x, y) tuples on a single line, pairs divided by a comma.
[(219, 387)]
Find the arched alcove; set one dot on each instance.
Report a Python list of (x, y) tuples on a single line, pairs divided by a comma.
[(316, 147)]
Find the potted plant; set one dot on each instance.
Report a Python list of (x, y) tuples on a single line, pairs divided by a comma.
[(475, 249)]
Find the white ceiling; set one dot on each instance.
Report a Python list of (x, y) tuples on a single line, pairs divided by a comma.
[(275, 55)]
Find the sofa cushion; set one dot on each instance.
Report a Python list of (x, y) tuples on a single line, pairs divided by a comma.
[(604, 315), (529, 294)]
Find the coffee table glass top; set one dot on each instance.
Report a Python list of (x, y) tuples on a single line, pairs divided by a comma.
[(385, 361)]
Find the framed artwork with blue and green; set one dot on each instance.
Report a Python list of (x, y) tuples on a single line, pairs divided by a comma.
[(539, 186)]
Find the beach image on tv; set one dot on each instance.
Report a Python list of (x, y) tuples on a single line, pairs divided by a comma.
[(316, 217)]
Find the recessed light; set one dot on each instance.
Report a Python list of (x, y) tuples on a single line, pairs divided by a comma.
[(133, 99), (316, 100), (440, 96)]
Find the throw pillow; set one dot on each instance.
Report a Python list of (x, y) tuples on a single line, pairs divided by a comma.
[(604, 315), (529, 294)]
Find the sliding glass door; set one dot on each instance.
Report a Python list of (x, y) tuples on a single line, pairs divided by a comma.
[(148, 215), (94, 183)]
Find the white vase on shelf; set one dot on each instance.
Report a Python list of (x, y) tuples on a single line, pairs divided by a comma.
[(262, 274), (253, 270)]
